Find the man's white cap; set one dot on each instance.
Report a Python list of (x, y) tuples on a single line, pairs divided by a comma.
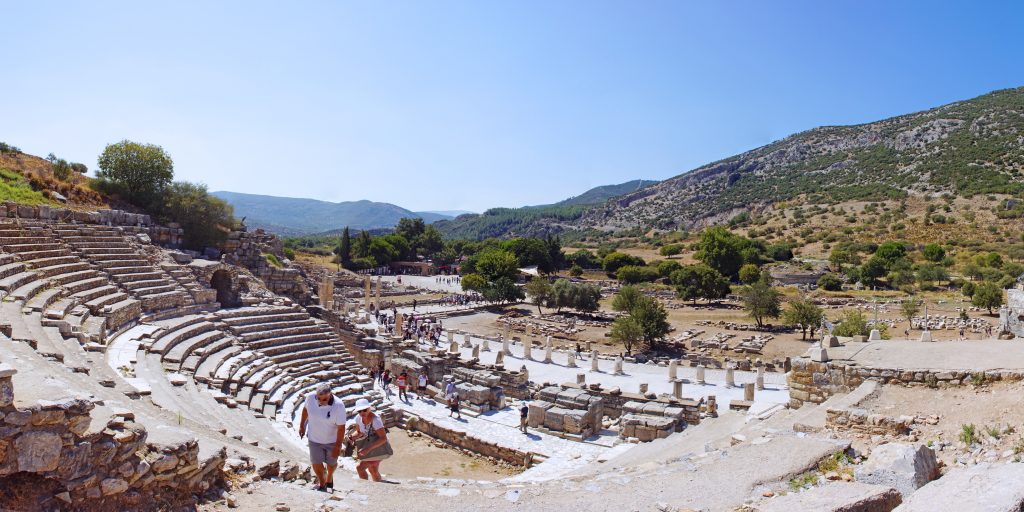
[(362, 404), (323, 389)]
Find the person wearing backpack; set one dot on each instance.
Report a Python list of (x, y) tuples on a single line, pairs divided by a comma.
[(372, 445)]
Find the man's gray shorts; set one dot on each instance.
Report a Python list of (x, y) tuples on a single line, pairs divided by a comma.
[(321, 454)]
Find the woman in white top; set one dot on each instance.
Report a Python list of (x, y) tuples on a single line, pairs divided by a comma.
[(368, 422)]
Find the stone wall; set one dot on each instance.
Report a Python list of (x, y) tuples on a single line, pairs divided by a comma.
[(248, 249), (53, 454), (469, 441), (814, 382), (167, 236), (860, 421)]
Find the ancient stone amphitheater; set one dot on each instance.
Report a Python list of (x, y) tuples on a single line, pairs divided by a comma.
[(133, 377)]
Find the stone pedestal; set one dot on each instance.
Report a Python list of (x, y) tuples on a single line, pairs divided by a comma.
[(673, 370), (926, 336), (730, 377), (830, 341), (712, 406), (875, 335), (594, 362), (677, 388), (528, 349), (499, 359), (466, 343), (508, 333), (525, 373), (618, 365), (818, 354), (377, 301), (581, 379), (453, 348), (748, 392), (590, 346), (760, 377), (366, 293), (399, 320), (700, 374), (485, 345), (504, 346), (547, 350), (476, 352), (643, 388), (571, 360)]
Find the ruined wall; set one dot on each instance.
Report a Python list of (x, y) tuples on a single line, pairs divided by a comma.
[(248, 249), (814, 382), (859, 421), (469, 441), (166, 236), (53, 454)]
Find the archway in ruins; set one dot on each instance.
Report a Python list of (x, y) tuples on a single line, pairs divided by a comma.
[(221, 281)]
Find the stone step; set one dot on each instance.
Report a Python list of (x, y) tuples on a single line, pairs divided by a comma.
[(207, 369), (271, 343), (121, 263), (34, 247), (10, 269), (184, 349), (47, 253), (45, 298), (22, 238), (250, 328), (30, 289), (88, 284), (53, 260), (74, 276), (14, 281), (60, 269), (169, 339), (143, 275), (295, 347), (60, 309), (201, 354), (97, 304)]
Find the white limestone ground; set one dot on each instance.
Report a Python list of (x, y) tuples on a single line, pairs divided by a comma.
[(776, 392), (424, 283)]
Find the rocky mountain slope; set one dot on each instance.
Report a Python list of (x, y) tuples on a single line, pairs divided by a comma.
[(965, 148)]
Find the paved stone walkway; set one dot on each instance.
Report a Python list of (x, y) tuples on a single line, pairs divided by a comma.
[(941, 355)]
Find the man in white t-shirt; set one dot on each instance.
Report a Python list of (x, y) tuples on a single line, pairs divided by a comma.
[(323, 418)]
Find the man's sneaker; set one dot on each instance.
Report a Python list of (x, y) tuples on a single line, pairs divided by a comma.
[(330, 485)]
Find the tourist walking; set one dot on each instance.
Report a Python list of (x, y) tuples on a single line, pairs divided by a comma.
[(372, 444), (453, 406), (323, 418), (403, 382), (421, 387), (449, 389), (386, 380), (524, 411)]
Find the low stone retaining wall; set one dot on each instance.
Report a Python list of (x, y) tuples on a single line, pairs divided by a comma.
[(168, 236), (814, 382), (860, 421), (469, 442), (52, 455)]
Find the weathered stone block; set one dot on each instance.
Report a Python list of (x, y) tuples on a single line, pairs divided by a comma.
[(903, 467), (38, 451)]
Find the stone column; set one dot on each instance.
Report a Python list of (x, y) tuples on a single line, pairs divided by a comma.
[(730, 377), (499, 359), (466, 343), (366, 293), (377, 301), (590, 346), (547, 350), (748, 392), (486, 345), (673, 370), (712, 406), (508, 330), (581, 379), (504, 346), (760, 378), (618, 365), (593, 362), (677, 389), (399, 319), (643, 388), (528, 348), (476, 351), (571, 362), (700, 374), (453, 348)]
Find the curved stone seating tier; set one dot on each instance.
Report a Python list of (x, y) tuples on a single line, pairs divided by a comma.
[(183, 350), (207, 370), (190, 326)]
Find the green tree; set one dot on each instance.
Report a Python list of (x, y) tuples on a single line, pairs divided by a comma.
[(721, 250), (584, 259), (909, 308), (967, 289), (539, 291), (474, 283), (576, 271), (616, 260), (362, 244), (653, 319), (665, 268), (626, 299), (988, 296), (139, 172), (694, 282), (411, 229), (430, 241), (853, 323), (632, 274), (839, 257), (344, 249), (749, 273), (890, 252), (761, 301), (929, 273), (627, 330), (206, 220), (830, 282), (382, 252), (670, 249), (933, 252), (803, 313), (871, 271)]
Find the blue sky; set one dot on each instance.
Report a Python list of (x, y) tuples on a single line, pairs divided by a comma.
[(468, 105)]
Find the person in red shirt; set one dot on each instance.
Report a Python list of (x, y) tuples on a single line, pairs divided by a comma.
[(403, 383)]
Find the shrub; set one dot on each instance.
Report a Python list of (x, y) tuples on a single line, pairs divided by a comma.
[(632, 274), (289, 253), (968, 434), (273, 259), (830, 282)]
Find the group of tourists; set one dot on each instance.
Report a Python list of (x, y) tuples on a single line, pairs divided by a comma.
[(384, 378), (329, 433), (448, 280)]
